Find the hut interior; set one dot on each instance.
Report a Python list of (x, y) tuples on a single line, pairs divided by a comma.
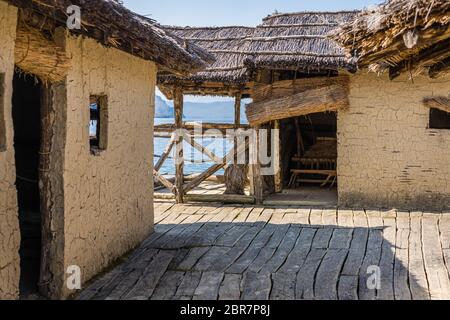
[(308, 158), (27, 133)]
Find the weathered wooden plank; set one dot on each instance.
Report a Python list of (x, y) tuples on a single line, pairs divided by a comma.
[(283, 251), (315, 218), (371, 259), (322, 238), (345, 218), (437, 274), (230, 289), (401, 267), (232, 236), (250, 254), (267, 252), (305, 279), (327, 278), (417, 277), (386, 291), (254, 215), (207, 261), (187, 287), (341, 239), (329, 218), (168, 285), (444, 227), (301, 250), (331, 98), (222, 263), (360, 219), (145, 286), (208, 288), (194, 255), (283, 286), (100, 285), (357, 252), (243, 215), (176, 238), (348, 288), (126, 276), (256, 286)]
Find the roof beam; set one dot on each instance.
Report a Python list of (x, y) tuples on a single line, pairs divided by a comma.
[(425, 58)]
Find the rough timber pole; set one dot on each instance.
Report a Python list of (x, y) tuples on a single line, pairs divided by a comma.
[(179, 156), (255, 169), (277, 158), (237, 120)]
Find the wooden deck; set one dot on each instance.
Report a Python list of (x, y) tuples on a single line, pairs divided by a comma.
[(244, 252)]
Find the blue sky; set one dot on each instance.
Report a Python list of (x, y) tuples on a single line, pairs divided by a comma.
[(231, 12)]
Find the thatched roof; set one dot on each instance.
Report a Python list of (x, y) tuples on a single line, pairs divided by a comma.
[(298, 41), (402, 35), (227, 44), (295, 41), (113, 25)]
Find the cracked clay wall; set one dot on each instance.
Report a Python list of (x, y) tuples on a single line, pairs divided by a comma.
[(108, 197), (9, 223), (387, 155)]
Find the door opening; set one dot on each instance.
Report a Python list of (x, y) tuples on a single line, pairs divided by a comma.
[(26, 111), (309, 159)]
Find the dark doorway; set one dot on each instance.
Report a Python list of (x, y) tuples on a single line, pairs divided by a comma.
[(309, 160), (26, 113)]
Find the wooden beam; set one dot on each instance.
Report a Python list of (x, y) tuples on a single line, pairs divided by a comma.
[(179, 155), (166, 152), (425, 58), (237, 110), (221, 198), (203, 176), (331, 98), (211, 198), (256, 184), (201, 148), (278, 178), (192, 126), (166, 183), (427, 38), (440, 103), (439, 68)]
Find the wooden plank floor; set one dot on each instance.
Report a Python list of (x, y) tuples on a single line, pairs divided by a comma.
[(244, 252)]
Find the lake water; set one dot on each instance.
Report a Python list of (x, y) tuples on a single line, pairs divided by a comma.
[(195, 162)]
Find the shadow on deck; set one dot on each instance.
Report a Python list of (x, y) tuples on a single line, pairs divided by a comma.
[(210, 252)]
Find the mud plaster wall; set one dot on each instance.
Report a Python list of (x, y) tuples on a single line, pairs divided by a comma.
[(387, 155), (9, 223), (108, 198)]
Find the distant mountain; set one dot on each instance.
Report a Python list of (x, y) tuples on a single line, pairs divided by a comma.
[(162, 108), (219, 111)]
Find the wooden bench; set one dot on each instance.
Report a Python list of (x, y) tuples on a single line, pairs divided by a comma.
[(330, 175)]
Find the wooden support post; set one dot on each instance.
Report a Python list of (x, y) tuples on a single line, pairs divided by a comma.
[(237, 109), (277, 158), (179, 155), (256, 182)]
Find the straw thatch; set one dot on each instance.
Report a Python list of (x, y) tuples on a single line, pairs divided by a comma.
[(40, 56), (113, 25), (296, 41), (228, 44), (401, 35)]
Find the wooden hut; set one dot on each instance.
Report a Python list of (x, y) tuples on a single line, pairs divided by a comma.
[(75, 189), (396, 133), (290, 69)]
